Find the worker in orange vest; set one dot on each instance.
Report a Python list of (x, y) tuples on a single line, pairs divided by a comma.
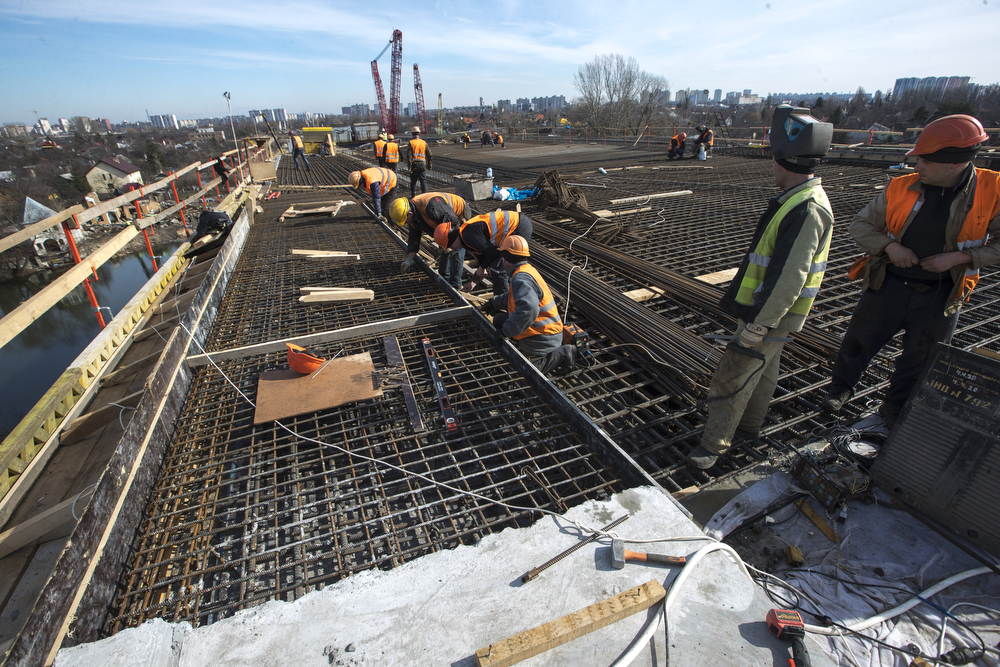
[(297, 150), (483, 235), (380, 148), (391, 153), (419, 158), (927, 235), (531, 316), (379, 182), (422, 215), (676, 149)]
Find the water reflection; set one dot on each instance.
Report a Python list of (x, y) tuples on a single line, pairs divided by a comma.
[(32, 361)]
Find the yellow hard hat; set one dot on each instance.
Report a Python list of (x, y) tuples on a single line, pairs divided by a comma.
[(398, 210), (354, 178), (392, 137)]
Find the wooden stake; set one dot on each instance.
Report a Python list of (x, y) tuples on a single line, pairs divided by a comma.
[(346, 295), (302, 251), (327, 256), (555, 633)]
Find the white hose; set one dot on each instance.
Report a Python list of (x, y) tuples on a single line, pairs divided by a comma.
[(653, 624), (906, 606)]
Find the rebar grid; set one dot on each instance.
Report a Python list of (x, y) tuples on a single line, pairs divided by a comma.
[(264, 302), (243, 514)]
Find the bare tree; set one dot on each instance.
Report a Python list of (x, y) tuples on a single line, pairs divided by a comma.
[(616, 92)]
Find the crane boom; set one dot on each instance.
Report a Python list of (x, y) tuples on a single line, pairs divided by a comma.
[(379, 95), (395, 79), (418, 92)]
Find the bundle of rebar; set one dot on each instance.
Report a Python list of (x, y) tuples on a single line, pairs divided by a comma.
[(683, 361), (679, 286)]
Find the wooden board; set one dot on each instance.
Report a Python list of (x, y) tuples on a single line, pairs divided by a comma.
[(303, 251), (554, 633), (286, 393), (337, 296), (327, 257), (719, 276)]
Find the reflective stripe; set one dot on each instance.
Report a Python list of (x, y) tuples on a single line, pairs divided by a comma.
[(418, 150), (391, 152), (817, 267), (379, 175), (502, 227), (759, 260)]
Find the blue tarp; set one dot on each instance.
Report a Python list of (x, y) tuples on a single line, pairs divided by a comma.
[(513, 194)]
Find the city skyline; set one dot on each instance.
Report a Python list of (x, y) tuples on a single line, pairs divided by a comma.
[(116, 60)]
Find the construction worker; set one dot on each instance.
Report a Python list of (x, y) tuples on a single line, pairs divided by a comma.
[(391, 153), (704, 141), (486, 138), (926, 235), (380, 143), (773, 290), (465, 140), (498, 139), (380, 183), (419, 158), (530, 317), (676, 149), (483, 235), (297, 150), (422, 215)]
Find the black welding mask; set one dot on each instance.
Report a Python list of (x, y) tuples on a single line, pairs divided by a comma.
[(798, 139)]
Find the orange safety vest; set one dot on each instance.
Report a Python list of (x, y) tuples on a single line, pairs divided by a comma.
[(675, 141), (501, 223), (391, 152), (378, 175), (420, 203), (297, 140), (902, 205), (707, 137), (379, 148), (418, 150), (548, 321)]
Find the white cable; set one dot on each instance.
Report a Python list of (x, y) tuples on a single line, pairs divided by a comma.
[(944, 622), (653, 624), (906, 606)]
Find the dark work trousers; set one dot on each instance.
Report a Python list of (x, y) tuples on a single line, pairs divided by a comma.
[(391, 166), (498, 274), (296, 152), (676, 152), (563, 356), (418, 172), (449, 267), (879, 316)]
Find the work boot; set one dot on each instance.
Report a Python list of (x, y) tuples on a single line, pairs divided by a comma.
[(835, 400), (701, 458)]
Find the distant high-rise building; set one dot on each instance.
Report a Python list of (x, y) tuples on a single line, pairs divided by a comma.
[(747, 92), (523, 105), (504, 105), (411, 109), (550, 103), (718, 95), (167, 121), (43, 126), (359, 110)]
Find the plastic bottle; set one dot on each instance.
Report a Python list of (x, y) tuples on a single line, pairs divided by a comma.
[(489, 172)]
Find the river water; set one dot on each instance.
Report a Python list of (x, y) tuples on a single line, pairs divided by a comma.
[(32, 361)]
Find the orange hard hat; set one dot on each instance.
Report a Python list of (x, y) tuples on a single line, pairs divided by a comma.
[(302, 360), (441, 233), (682, 136), (956, 131), (515, 245), (354, 178)]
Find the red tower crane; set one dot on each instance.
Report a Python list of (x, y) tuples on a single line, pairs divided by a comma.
[(418, 92), (390, 114)]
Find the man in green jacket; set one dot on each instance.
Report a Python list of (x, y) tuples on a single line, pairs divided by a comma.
[(774, 288)]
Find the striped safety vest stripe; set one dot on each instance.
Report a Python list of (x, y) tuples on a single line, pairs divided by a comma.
[(379, 175), (548, 321), (760, 257), (391, 152), (418, 150)]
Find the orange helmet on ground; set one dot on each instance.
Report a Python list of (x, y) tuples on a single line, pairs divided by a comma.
[(515, 246), (302, 360), (953, 138), (354, 178), (441, 233)]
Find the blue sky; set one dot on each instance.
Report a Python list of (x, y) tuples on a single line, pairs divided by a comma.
[(117, 59)]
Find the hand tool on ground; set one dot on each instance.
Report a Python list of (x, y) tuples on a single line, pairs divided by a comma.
[(788, 626), (394, 355), (442, 391), (531, 574), (619, 554)]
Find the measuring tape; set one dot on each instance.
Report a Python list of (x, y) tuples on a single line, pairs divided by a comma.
[(432, 363)]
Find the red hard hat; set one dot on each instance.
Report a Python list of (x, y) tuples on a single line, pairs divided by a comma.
[(441, 233), (957, 131)]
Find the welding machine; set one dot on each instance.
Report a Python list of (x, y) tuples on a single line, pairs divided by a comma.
[(574, 335)]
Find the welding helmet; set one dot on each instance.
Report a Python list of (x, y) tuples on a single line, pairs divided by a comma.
[(514, 249), (441, 234), (354, 178), (302, 360), (398, 210), (951, 139), (797, 139)]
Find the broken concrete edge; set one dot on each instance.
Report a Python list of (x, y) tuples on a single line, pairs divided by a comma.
[(73, 604)]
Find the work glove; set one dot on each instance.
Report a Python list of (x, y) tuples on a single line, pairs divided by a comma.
[(753, 336), (489, 308), (407, 264)]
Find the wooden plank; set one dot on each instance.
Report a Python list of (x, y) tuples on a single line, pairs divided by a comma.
[(58, 521), (818, 520), (119, 375), (717, 277), (346, 295), (644, 294), (605, 213), (658, 195), (30, 231), (303, 251), (90, 422), (312, 290), (555, 633), (328, 257), (18, 319), (359, 331)]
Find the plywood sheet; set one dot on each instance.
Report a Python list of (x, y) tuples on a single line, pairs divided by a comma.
[(286, 393)]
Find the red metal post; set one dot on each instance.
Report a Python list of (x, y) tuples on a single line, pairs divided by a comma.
[(871, 133), (197, 173), (177, 198), (75, 252)]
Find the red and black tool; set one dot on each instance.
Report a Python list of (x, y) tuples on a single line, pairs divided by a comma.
[(442, 392), (788, 626)]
